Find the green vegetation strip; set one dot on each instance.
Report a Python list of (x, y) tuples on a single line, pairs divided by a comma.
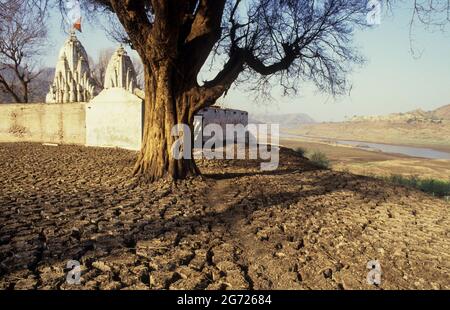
[(440, 188)]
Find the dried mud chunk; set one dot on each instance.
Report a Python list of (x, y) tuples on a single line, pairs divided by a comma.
[(236, 280), (114, 285), (227, 266), (199, 260), (26, 284), (190, 279), (163, 279), (51, 276), (222, 252), (101, 266), (182, 257)]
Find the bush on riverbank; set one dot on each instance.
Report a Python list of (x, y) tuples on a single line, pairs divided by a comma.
[(435, 187), (320, 160)]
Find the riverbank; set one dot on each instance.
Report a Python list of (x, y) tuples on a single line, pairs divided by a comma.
[(365, 162), (363, 143), (426, 135)]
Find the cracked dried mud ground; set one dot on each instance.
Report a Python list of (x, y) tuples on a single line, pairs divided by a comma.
[(235, 228)]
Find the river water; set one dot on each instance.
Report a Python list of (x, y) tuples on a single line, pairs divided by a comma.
[(381, 147)]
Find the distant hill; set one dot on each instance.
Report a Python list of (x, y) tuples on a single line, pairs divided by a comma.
[(291, 120), (442, 112), (415, 116), (418, 127)]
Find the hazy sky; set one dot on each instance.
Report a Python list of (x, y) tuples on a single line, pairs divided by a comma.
[(392, 80)]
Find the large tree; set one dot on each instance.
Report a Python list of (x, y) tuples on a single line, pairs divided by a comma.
[(284, 40)]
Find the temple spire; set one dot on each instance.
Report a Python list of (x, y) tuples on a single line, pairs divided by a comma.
[(120, 71), (72, 82)]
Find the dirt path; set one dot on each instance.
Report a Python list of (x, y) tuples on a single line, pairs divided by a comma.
[(235, 228), (229, 258)]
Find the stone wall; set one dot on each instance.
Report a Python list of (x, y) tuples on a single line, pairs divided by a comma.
[(114, 118), (46, 123)]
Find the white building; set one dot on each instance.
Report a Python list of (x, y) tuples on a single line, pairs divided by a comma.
[(219, 116)]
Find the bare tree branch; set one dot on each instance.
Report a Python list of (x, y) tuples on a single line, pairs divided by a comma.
[(22, 34)]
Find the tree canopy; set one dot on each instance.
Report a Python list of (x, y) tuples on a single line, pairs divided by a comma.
[(290, 40)]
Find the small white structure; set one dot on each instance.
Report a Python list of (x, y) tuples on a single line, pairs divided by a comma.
[(72, 82), (120, 71), (221, 117), (114, 118)]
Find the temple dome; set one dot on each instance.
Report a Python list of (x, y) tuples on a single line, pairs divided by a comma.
[(73, 81), (72, 50), (120, 71)]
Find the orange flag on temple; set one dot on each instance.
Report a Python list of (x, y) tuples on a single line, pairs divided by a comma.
[(73, 13), (77, 25)]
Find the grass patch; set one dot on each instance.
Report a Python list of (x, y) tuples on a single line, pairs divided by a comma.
[(320, 160), (301, 151), (435, 187)]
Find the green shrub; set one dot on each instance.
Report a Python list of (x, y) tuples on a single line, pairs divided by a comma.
[(320, 160), (435, 187)]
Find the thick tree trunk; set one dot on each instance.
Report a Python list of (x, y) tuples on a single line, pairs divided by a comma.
[(173, 46), (165, 107)]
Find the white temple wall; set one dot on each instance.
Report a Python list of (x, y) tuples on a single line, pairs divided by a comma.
[(46, 123), (115, 119)]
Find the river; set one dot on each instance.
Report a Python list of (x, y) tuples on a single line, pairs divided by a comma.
[(379, 147)]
